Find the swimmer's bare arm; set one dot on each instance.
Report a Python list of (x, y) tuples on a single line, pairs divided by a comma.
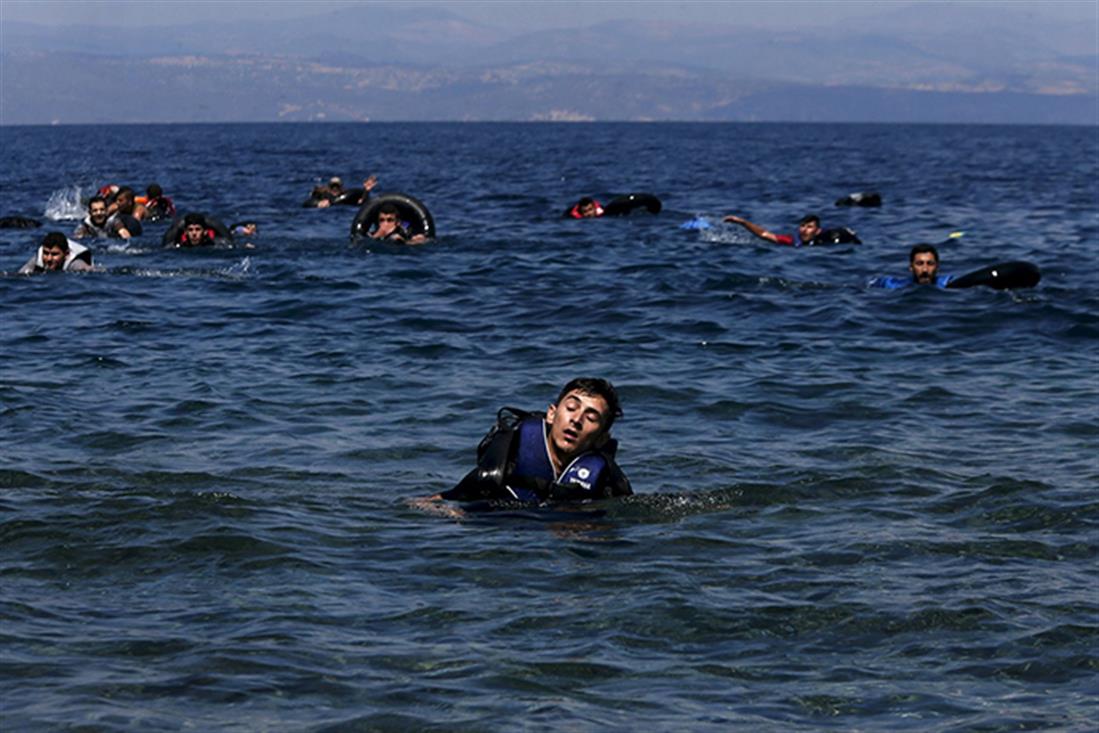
[(120, 230), (755, 229), (436, 504)]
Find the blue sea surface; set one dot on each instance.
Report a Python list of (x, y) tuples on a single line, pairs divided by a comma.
[(855, 509)]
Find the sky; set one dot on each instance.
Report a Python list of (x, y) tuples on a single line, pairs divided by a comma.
[(516, 16)]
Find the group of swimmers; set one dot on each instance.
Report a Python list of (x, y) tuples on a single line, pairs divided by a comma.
[(923, 259), (115, 212)]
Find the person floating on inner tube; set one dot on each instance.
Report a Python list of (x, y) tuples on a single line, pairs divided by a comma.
[(196, 232), (923, 264), (565, 454), (809, 233), (98, 223), (58, 254), (586, 208), (388, 225)]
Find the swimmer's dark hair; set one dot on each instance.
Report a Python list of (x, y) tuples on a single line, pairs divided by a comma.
[(920, 249), (194, 218), (95, 198), (597, 388), (810, 218), (56, 239), (124, 189), (586, 201), (388, 208), (154, 191)]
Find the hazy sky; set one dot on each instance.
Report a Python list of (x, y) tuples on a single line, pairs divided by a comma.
[(515, 15)]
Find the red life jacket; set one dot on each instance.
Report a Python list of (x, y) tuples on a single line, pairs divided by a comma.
[(574, 212)]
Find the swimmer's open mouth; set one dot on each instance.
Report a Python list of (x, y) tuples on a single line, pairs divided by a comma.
[(571, 435)]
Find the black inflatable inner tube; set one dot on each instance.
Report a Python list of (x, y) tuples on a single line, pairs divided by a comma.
[(839, 235), (625, 205), (18, 222), (1001, 276), (869, 198), (175, 230), (414, 216), (354, 197)]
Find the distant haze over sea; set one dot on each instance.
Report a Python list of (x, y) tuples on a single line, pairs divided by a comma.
[(984, 63)]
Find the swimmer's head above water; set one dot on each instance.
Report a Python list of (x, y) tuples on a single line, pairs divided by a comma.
[(923, 261)]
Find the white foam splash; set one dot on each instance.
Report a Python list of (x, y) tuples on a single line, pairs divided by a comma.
[(242, 268), (65, 204)]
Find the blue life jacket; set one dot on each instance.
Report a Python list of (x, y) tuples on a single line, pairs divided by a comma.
[(533, 468), (891, 282)]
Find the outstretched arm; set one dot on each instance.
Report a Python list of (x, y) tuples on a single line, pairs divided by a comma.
[(755, 229)]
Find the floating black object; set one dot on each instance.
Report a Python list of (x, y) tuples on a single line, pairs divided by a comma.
[(870, 198)]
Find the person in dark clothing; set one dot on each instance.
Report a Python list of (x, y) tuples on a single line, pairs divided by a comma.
[(565, 454)]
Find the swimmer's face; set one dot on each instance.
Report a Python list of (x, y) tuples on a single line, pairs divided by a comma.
[(576, 423), (924, 268), (125, 202), (53, 258), (588, 211), (808, 230), (194, 234), (387, 222), (97, 212)]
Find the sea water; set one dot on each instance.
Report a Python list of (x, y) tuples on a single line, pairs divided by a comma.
[(855, 509)]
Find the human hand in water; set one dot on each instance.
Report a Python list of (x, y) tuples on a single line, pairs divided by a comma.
[(370, 183), (435, 505)]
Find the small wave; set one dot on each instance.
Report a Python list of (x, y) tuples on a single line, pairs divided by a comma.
[(125, 247), (239, 271)]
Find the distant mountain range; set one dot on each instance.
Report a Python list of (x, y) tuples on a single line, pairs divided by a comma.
[(382, 62)]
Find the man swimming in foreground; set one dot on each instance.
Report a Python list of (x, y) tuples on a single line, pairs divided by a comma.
[(923, 263), (565, 454), (58, 254)]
